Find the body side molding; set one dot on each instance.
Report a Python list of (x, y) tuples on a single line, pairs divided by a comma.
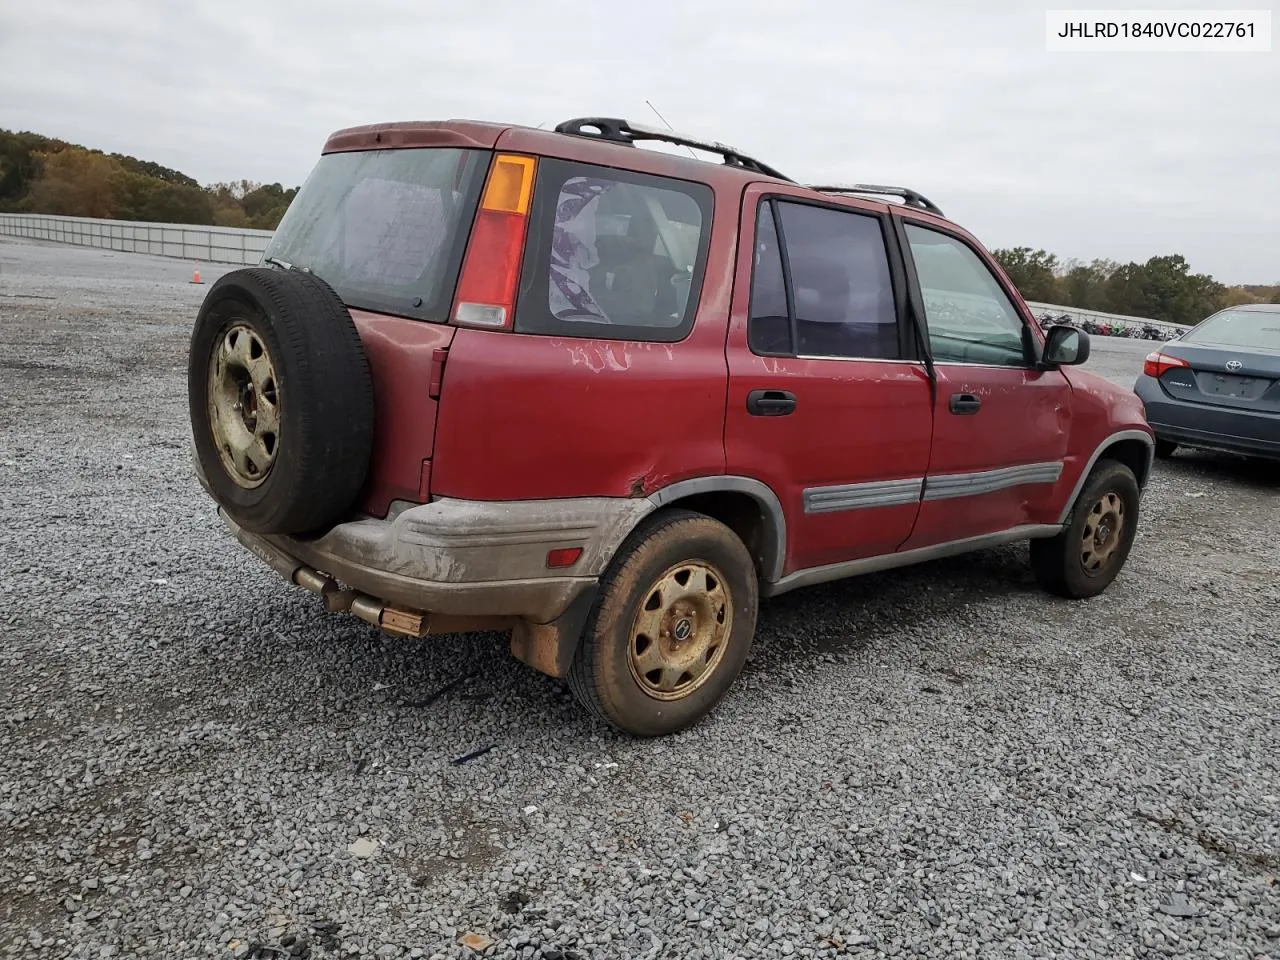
[(889, 561)]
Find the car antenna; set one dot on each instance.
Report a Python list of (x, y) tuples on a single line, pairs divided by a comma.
[(669, 126)]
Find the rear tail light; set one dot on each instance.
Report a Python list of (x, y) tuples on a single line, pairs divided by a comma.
[(491, 271), (1157, 364)]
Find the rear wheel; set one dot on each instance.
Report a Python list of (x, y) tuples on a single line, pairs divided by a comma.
[(1086, 557), (1165, 448), (671, 628)]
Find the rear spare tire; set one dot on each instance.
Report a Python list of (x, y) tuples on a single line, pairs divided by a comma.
[(280, 399)]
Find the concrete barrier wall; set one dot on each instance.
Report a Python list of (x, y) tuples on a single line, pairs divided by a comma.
[(1080, 315), (184, 241)]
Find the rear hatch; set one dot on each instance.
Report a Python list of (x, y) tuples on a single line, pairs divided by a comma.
[(387, 229), (1230, 360)]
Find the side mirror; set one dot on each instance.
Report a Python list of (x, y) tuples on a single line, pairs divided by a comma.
[(1065, 346)]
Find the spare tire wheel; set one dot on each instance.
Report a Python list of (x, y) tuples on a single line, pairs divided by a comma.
[(281, 401)]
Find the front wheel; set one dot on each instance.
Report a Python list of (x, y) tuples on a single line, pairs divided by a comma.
[(671, 628), (1086, 557)]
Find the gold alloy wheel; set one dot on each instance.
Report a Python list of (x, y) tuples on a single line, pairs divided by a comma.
[(682, 631), (1103, 530), (244, 406)]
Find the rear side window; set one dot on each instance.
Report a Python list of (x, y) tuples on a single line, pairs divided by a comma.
[(613, 254), (387, 228), (821, 285)]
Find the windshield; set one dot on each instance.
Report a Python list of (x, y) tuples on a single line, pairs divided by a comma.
[(386, 229), (1238, 329)]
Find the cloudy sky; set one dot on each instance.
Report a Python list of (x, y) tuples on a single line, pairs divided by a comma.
[(1122, 156)]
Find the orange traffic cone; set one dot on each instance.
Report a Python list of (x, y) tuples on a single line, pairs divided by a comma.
[(195, 276)]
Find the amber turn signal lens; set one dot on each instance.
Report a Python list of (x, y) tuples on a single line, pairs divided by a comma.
[(510, 184)]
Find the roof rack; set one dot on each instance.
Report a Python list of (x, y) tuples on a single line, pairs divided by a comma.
[(909, 197), (617, 130)]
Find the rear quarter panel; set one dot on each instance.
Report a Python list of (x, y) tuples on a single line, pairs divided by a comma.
[(533, 417), (400, 354)]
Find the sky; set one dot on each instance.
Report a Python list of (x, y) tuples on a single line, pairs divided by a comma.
[(1120, 156)]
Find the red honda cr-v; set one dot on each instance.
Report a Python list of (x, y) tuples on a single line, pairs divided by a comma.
[(607, 397)]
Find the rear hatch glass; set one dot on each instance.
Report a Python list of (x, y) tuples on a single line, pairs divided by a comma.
[(1255, 331), (387, 228)]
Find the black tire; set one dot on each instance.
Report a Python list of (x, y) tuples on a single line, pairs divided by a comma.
[(1059, 563), (323, 388), (1165, 448), (602, 677)]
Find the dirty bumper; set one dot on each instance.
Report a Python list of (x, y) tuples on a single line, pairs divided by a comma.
[(462, 558)]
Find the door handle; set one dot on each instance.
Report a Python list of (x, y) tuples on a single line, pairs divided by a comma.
[(770, 403), (965, 403)]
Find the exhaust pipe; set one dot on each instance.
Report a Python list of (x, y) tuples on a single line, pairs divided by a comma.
[(394, 620), (405, 623)]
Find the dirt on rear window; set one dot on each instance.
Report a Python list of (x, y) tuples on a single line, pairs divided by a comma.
[(386, 229)]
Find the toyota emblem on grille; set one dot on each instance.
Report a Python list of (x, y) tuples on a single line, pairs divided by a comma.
[(1234, 364)]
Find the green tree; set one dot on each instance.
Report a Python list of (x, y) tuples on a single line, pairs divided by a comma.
[(265, 205), (1252, 293), (1125, 291), (227, 211), (19, 167), (42, 175), (140, 197), (1163, 288), (1033, 272), (75, 183), (1084, 285), (154, 170)]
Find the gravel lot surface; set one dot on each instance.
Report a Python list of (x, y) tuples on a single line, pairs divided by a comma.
[(938, 762)]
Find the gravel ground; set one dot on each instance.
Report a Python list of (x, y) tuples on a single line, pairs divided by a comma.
[(938, 762)]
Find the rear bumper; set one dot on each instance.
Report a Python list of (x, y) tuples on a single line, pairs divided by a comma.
[(461, 558), (1209, 427)]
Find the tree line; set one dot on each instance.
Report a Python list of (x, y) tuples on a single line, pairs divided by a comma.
[(1163, 288), (42, 175)]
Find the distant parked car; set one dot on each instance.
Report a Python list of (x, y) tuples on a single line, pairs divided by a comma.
[(1217, 387)]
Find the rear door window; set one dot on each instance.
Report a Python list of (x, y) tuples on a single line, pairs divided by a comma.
[(386, 228), (821, 285), (613, 254)]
